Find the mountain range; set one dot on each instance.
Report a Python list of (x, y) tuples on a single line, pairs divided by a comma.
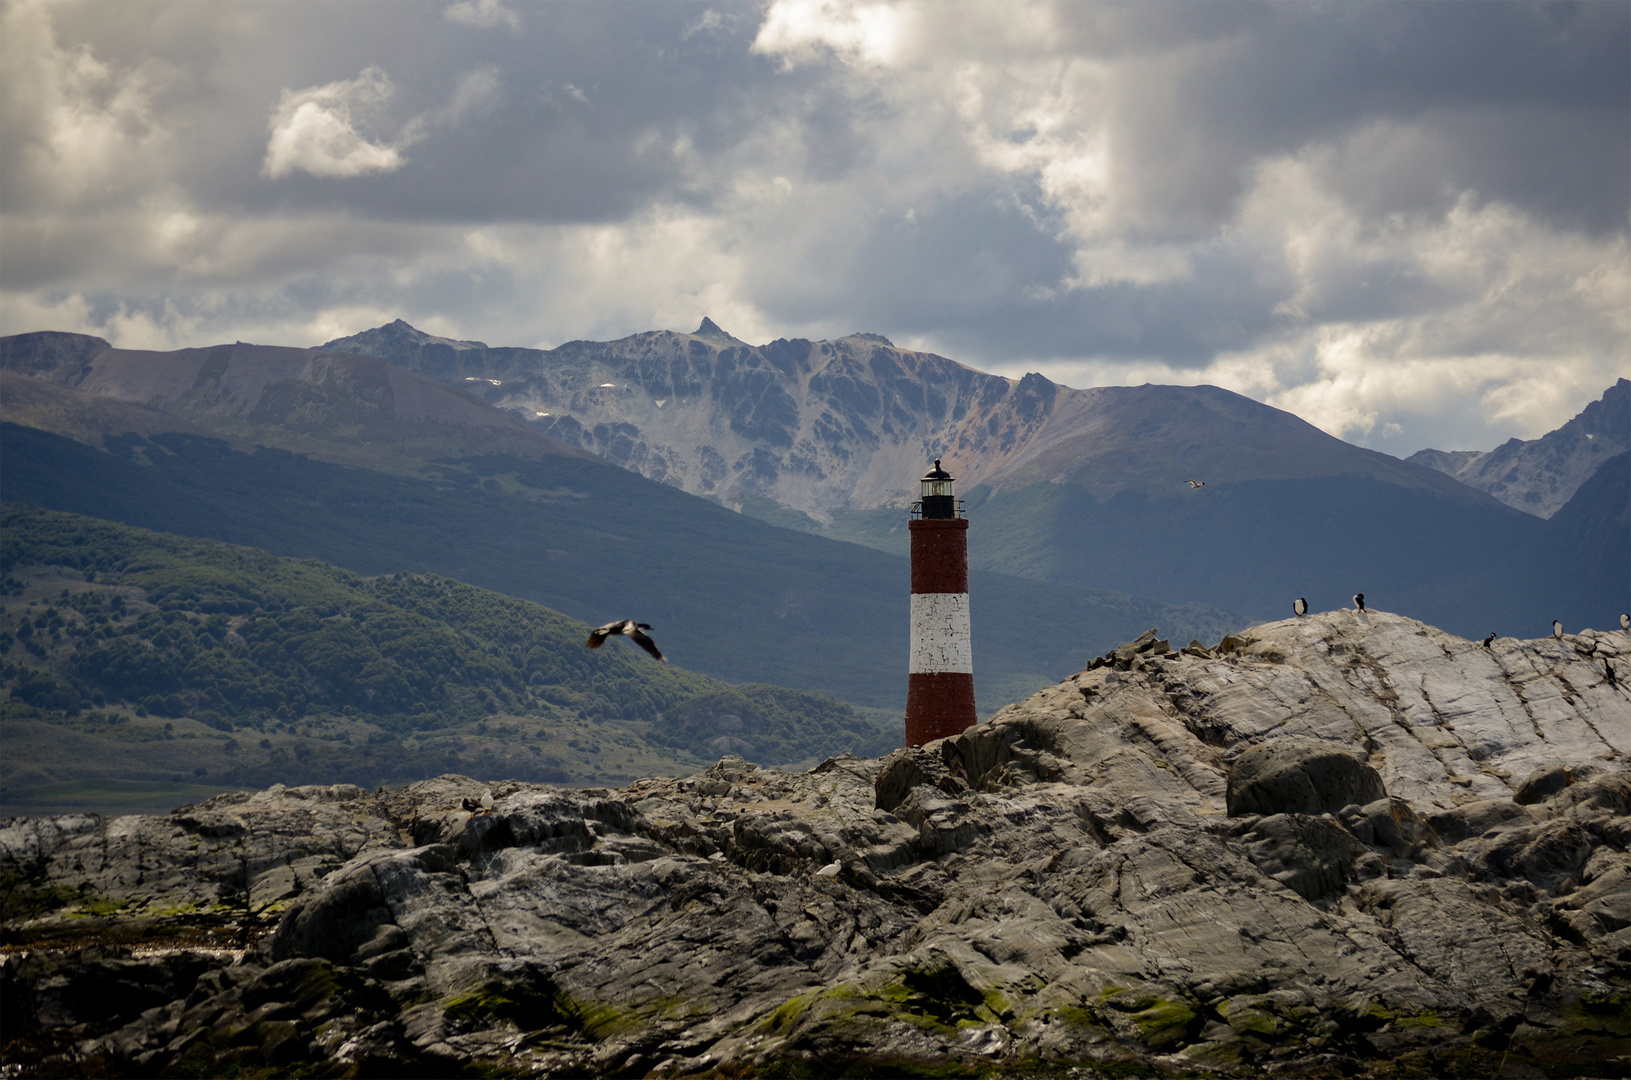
[(1087, 488), (377, 469)]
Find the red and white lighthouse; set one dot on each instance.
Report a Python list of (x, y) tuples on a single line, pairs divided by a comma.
[(940, 688)]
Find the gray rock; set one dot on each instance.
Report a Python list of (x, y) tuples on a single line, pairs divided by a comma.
[(1298, 777), (1542, 784), (1061, 886)]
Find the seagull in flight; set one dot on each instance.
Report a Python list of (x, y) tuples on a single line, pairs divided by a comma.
[(1300, 606), (1196, 483), (634, 631)]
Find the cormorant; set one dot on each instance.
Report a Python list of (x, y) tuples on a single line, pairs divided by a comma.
[(630, 629), (1557, 630), (1359, 601), (1625, 622), (1489, 639), (1300, 606)]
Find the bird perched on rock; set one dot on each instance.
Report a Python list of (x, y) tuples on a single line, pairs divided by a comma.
[(1625, 622), (1557, 630), (1489, 640), (1196, 483), (484, 804), (630, 629), (1359, 601), (830, 870), (1300, 606)]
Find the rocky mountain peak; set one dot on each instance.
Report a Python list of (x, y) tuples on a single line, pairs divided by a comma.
[(392, 338), (711, 329), (1538, 476)]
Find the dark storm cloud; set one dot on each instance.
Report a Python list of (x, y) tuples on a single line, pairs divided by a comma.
[(1525, 103)]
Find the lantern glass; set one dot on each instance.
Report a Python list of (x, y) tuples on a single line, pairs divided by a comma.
[(936, 487)]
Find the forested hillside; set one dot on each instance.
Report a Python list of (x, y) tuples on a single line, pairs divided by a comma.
[(287, 670)]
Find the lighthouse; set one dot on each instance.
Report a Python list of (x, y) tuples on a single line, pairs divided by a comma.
[(940, 686)]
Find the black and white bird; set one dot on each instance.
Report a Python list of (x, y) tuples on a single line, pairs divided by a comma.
[(634, 631), (1557, 630), (1489, 640), (1625, 622), (483, 804), (1300, 606), (1196, 483), (1359, 601)]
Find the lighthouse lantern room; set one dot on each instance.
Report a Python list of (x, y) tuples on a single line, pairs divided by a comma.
[(940, 685)]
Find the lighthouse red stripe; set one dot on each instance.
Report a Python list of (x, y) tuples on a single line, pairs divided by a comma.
[(939, 555), (938, 705)]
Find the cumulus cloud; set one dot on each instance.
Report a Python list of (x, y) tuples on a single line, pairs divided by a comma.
[(76, 126), (486, 14), (314, 130), (1371, 260)]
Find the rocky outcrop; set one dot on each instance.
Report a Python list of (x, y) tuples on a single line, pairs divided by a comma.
[(1069, 885)]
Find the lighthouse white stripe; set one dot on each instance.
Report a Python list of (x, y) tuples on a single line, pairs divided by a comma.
[(940, 633)]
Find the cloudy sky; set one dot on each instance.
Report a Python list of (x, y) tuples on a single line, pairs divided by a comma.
[(1405, 222)]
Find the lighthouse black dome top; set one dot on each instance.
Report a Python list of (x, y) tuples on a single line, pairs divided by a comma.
[(938, 494)]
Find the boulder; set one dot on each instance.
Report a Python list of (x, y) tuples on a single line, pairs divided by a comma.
[(1288, 776), (1541, 785)]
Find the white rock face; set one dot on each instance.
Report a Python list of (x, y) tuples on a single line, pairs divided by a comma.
[(1444, 720)]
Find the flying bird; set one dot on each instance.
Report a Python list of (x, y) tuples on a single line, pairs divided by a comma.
[(1557, 630), (1359, 601), (1196, 483), (1300, 606), (1489, 640), (634, 631)]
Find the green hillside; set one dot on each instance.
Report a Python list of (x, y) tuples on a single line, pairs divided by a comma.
[(143, 657)]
